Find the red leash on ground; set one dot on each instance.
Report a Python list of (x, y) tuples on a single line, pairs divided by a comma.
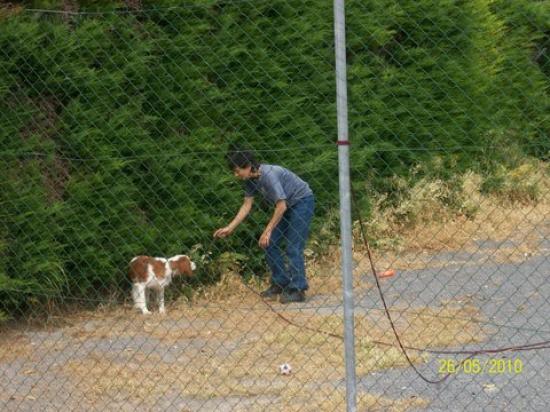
[(531, 346)]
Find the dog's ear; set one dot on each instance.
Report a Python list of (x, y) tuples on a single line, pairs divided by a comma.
[(189, 266), (183, 265)]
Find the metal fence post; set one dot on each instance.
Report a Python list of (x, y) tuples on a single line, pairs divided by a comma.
[(345, 201)]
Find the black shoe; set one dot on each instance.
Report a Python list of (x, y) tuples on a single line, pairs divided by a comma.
[(293, 295), (271, 291)]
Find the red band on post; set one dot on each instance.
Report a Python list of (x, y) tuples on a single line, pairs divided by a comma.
[(342, 142)]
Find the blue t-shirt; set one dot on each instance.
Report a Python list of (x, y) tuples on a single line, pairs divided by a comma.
[(277, 183)]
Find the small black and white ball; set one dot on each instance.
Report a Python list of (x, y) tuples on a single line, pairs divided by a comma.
[(285, 369)]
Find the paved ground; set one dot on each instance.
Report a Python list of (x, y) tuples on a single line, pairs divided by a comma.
[(515, 300)]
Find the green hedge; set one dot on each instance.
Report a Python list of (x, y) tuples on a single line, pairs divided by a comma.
[(114, 125)]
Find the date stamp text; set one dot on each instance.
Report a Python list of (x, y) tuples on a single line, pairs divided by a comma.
[(474, 366)]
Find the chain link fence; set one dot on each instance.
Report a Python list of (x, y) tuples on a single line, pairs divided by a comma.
[(115, 119)]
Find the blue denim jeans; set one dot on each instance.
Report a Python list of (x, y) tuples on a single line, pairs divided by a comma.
[(292, 232)]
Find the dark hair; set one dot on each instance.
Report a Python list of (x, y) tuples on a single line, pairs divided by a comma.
[(241, 158)]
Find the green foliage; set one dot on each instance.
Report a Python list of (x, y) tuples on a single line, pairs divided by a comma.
[(114, 126)]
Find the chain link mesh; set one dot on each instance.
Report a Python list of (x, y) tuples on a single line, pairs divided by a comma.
[(114, 125)]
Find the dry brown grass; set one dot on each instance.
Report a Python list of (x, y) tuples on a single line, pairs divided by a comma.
[(14, 345), (514, 234), (513, 229), (148, 378), (255, 342), (424, 222)]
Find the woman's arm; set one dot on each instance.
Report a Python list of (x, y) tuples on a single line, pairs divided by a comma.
[(241, 215), (280, 209)]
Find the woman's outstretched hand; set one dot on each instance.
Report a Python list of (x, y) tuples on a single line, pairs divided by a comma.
[(223, 232)]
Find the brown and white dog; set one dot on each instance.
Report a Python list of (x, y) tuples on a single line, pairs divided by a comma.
[(148, 272)]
